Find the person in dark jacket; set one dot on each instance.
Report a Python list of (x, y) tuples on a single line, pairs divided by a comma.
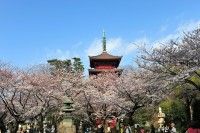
[(152, 129)]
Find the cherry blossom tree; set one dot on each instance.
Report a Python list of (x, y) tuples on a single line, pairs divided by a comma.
[(109, 94), (27, 94), (173, 63), (134, 91), (96, 96)]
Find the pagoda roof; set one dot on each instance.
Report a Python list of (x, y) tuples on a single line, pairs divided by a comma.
[(105, 56)]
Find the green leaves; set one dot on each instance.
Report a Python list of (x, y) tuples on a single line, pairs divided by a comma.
[(68, 65), (174, 110)]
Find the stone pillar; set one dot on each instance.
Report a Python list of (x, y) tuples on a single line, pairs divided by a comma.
[(67, 125)]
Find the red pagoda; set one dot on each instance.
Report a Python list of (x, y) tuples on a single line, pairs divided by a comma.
[(104, 62)]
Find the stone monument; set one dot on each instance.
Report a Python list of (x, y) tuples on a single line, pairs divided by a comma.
[(67, 125), (161, 118)]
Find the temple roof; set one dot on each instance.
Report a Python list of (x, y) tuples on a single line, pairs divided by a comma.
[(104, 55)]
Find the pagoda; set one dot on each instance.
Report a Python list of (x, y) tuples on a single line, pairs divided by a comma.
[(104, 62)]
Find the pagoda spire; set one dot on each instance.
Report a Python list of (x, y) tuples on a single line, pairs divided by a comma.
[(104, 41)]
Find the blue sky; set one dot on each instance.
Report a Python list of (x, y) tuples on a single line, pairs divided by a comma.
[(32, 31)]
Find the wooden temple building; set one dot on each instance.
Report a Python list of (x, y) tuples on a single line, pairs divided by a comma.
[(104, 62)]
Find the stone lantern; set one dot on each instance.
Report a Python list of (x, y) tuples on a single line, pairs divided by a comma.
[(67, 108), (161, 118), (67, 125)]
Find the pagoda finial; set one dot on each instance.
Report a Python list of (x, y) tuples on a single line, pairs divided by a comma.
[(104, 41)]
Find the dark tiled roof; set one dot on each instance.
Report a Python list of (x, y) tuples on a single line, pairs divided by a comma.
[(105, 55)]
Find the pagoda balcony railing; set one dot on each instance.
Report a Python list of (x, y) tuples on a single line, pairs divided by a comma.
[(104, 67)]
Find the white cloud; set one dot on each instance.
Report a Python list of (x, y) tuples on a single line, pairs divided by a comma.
[(116, 46), (58, 54), (178, 32), (119, 46), (96, 46), (188, 26), (52, 54)]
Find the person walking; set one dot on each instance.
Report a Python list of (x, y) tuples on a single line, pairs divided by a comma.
[(166, 129), (152, 129), (100, 128), (142, 130), (127, 129), (173, 129)]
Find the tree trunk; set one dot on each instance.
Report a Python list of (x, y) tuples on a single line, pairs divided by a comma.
[(130, 118), (196, 110), (2, 126), (188, 112), (15, 127), (41, 123)]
